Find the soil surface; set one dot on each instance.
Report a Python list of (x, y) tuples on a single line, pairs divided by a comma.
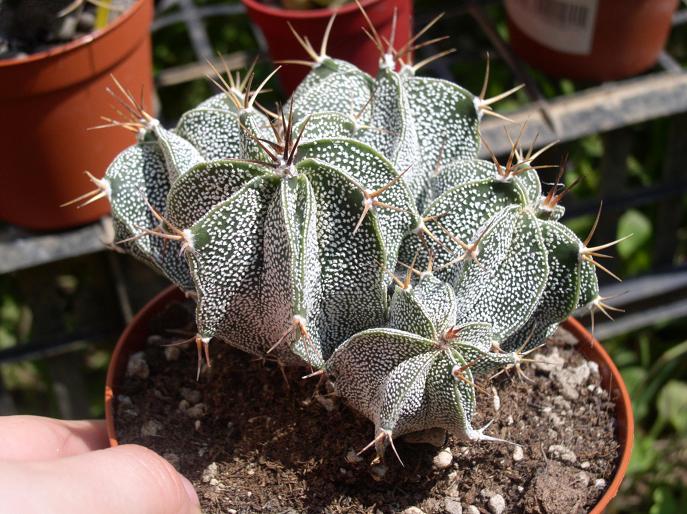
[(252, 437)]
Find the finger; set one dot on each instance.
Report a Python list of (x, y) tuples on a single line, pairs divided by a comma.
[(37, 438), (127, 478)]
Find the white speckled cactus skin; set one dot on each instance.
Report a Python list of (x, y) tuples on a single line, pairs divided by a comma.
[(289, 232)]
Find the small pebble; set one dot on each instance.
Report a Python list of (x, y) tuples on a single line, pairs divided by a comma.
[(443, 459), (210, 472), (151, 428), (497, 504), (562, 453), (510, 420), (197, 411), (137, 366), (549, 362), (487, 493), (518, 454), (600, 483), (232, 511), (196, 425), (583, 478), (172, 353), (586, 465), (497, 400), (214, 481), (184, 405), (471, 509), (453, 506), (413, 510)]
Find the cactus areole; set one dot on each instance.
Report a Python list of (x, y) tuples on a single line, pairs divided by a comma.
[(355, 232)]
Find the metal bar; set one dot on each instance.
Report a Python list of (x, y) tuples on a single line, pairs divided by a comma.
[(196, 29), (207, 11), (640, 319), (196, 70), (635, 290), (633, 198), (24, 250), (599, 109), (666, 61)]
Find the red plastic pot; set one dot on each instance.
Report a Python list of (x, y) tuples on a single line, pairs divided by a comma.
[(590, 39), (134, 339), (347, 40), (48, 101)]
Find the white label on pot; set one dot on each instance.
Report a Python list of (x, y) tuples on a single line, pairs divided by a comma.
[(563, 25)]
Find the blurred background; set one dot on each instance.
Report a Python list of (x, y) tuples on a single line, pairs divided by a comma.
[(64, 298)]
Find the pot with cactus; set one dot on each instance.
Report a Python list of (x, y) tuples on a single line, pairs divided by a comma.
[(277, 19), (55, 60), (350, 261)]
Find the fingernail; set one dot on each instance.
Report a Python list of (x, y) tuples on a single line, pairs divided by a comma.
[(190, 491)]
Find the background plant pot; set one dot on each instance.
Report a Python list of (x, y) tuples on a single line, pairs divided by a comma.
[(590, 39), (48, 101), (134, 339), (347, 40)]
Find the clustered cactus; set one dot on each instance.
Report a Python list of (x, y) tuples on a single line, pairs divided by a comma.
[(355, 232)]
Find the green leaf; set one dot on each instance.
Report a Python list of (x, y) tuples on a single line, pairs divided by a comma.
[(636, 223), (672, 405)]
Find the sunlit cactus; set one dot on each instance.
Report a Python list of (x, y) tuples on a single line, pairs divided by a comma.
[(290, 229)]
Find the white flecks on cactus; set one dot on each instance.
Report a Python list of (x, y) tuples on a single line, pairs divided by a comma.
[(138, 189), (215, 133), (503, 285)]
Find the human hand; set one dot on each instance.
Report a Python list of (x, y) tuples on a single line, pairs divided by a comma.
[(54, 466)]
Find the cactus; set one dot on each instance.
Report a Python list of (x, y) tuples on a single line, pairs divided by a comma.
[(291, 229)]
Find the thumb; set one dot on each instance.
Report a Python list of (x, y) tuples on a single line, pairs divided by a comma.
[(127, 478)]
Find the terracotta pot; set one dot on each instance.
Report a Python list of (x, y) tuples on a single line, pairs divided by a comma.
[(48, 101), (133, 339), (590, 39), (347, 40)]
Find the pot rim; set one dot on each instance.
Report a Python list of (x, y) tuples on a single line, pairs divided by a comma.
[(88, 39), (288, 14), (592, 350)]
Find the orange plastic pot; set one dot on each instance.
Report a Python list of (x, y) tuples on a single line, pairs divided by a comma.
[(347, 40), (593, 40), (48, 101), (134, 338)]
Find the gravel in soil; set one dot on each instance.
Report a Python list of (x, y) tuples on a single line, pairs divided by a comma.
[(253, 437)]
